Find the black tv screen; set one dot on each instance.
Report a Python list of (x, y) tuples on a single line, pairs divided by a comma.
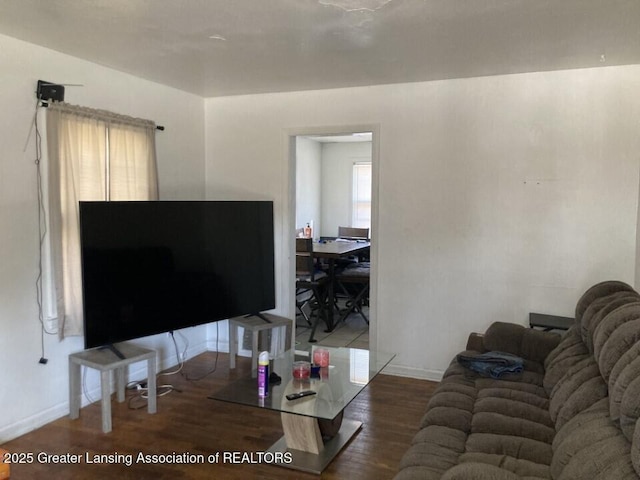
[(157, 266)]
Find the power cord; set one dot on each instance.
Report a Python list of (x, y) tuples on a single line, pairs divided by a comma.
[(84, 386), (141, 389), (215, 363), (180, 358), (140, 398), (42, 233)]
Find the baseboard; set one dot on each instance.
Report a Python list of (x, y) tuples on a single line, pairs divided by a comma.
[(33, 422), (137, 372), (412, 372), (218, 346)]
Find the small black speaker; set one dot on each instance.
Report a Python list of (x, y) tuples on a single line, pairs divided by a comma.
[(50, 92)]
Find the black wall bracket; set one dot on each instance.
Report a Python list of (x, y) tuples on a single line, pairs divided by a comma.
[(50, 92)]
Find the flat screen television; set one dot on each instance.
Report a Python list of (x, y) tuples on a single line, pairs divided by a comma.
[(150, 267)]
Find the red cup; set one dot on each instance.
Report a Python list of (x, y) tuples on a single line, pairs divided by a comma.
[(301, 370), (321, 357)]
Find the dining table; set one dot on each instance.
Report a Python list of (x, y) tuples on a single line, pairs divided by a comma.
[(331, 250)]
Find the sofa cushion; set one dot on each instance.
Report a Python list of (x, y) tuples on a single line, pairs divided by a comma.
[(510, 445), (624, 373), (601, 289), (599, 310), (434, 450), (541, 402), (590, 433), (508, 423), (452, 399), (426, 453), (532, 387), (578, 389), (532, 345), (483, 471), (453, 417), (448, 437), (630, 409), (522, 468), (611, 343), (635, 450), (524, 409), (418, 472), (569, 352)]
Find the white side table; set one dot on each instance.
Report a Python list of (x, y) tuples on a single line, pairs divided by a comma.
[(255, 325), (104, 360)]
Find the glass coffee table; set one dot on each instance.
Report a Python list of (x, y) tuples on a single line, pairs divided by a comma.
[(314, 428)]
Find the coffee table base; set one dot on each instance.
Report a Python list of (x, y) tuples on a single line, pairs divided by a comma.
[(316, 463)]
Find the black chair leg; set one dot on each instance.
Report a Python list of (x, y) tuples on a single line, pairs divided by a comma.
[(303, 313), (321, 314), (313, 331), (354, 303)]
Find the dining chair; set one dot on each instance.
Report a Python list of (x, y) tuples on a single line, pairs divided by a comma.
[(311, 285), (353, 233), (354, 282)]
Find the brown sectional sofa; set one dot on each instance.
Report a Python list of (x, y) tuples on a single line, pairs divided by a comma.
[(570, 415)]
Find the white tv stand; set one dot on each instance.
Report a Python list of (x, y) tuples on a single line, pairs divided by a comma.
[(105, 361)]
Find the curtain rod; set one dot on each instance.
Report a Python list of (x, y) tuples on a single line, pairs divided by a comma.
[(158, 127)]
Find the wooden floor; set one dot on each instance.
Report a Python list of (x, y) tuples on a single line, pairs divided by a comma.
[(187, 422)]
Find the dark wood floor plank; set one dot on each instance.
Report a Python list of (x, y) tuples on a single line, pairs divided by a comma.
[(390, 409)]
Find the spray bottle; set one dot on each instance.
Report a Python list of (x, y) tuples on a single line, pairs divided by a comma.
[(263, 374)]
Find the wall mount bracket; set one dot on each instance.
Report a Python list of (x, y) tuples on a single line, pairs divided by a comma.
[(49, 92)]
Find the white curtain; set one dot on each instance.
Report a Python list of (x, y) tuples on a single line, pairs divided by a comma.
[(93, 155), (132, 163)]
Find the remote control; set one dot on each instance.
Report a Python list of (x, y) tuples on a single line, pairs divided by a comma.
[(295, 396)]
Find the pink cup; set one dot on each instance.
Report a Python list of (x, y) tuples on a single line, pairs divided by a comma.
[(321, 357), (301, 370)]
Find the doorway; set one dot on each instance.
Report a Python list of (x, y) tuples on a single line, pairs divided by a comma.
[(334, 184)]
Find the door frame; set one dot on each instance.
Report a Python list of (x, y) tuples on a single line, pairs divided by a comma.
[(290, 218)]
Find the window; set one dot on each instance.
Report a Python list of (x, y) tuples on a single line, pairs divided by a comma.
[(93, 155), (361, 201)]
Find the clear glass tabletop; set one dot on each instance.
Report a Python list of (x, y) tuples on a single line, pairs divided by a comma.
[(350, 370)]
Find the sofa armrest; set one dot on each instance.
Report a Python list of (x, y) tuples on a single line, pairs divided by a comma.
[(475, 342), (524, 342)]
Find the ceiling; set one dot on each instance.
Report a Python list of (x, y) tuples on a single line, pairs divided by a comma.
[(229, 47), (348, 138)]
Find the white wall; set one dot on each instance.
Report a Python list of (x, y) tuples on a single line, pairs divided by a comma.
[(324, 177), (34, 394), (337, 182), (497, 195), (308, 181)]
